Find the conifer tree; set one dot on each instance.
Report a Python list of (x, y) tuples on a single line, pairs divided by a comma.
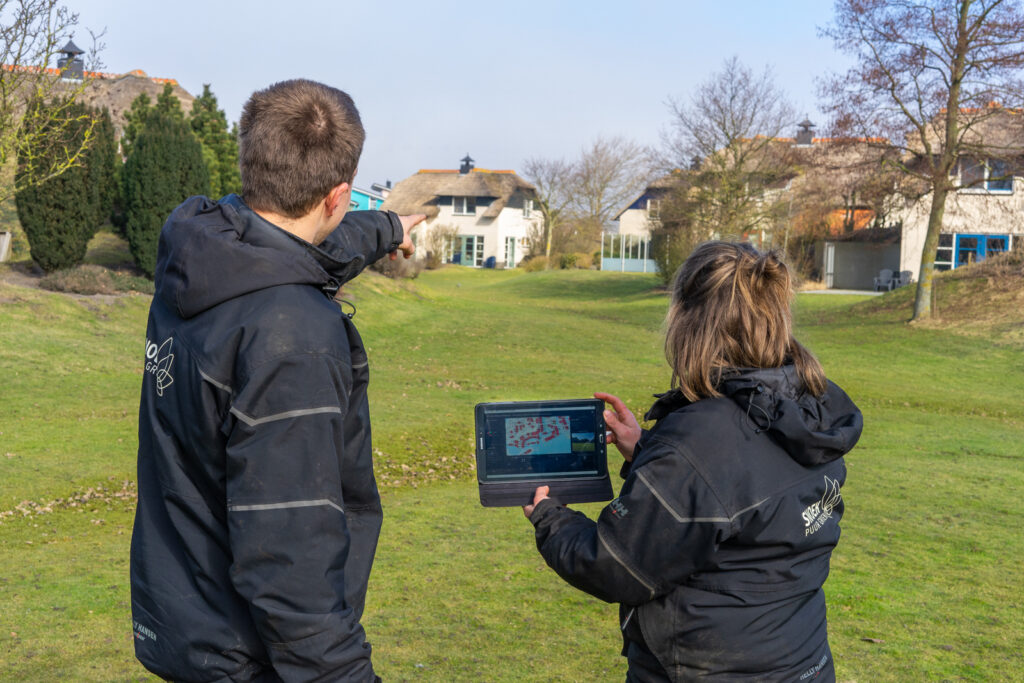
[(220, 147), (62, 214), (164, 168), (134, 120), (102, 165), (141, 107)]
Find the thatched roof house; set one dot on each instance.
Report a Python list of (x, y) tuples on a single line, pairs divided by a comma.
[(422, 193), (491, 213)]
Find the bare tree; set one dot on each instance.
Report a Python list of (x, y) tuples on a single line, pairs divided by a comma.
[(31, 34), (728, 135), (610, 172), (843, 185), (440, 243), (729, 162), (553, 179), (579, 198), (926, 76)]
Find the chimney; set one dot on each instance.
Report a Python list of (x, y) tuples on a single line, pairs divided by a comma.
[(804, 136), (71, 65), (467, 165)]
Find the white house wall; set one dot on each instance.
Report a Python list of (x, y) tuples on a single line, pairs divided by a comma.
[(511, 223), (972, 212), (634, 222), (508, 223)]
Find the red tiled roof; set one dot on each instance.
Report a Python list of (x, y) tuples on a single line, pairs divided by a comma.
[(88, 74)]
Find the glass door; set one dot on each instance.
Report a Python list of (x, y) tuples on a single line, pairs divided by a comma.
[(472, 253)]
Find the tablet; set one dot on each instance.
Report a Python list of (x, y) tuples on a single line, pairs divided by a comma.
[(525, 444)]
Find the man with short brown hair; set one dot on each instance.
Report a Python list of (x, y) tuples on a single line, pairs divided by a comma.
[(258, 512)]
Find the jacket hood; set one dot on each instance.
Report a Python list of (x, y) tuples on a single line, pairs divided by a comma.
[(214, 251), (813, 430)]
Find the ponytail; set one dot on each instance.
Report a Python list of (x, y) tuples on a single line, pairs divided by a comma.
[(731, 309)]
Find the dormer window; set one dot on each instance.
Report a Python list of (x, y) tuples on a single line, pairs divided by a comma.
[(464, 206), (527, 207), (653, 208), (989, 175)]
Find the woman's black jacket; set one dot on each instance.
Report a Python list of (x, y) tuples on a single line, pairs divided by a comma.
[(719, 542)]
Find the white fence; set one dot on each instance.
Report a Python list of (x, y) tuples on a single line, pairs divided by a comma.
[(627, 254)]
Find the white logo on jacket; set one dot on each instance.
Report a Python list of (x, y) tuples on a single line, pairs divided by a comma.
[(158, 363), (817, 514)]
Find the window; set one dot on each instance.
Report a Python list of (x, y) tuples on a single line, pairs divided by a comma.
[(510, 252), (996, 244), (966, 250), (944, 254), (527, 208), (653, 208), (472, 253), (999, 179), (464, 206), (991, 175), (975, 248)]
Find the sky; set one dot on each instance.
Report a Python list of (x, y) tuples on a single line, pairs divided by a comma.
[(502, 82)]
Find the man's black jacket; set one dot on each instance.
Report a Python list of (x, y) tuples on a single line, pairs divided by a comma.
[(258, 512), (719, 543)]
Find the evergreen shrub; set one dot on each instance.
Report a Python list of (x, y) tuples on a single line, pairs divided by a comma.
[(60, 215), (165, 167)]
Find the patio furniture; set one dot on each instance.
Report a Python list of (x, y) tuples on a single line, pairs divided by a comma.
[(884, 280), (904, 278)]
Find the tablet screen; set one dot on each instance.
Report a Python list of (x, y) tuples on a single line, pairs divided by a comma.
[(541, 439)]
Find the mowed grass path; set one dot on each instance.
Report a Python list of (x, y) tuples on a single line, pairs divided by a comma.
[(925, 583)]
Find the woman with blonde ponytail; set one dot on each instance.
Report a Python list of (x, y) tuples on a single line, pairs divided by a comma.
[(719, 543)]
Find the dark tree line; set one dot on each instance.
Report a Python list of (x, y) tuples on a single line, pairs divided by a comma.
[(165, 156)]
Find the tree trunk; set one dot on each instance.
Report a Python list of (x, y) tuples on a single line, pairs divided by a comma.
[(923, 300), (547, 247), (941, 183)]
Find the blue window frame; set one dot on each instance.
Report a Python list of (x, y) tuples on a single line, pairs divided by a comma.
[(974, 248)]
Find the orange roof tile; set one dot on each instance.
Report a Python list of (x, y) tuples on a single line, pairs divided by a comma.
[(88, 74), (474, 170)]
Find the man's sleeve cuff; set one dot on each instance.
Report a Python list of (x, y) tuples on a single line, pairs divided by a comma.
[(397, 231)]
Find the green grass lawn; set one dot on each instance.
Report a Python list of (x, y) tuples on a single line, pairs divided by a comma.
[(925, 585)]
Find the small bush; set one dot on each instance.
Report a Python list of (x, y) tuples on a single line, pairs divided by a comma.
[(575, 260), (399, 268), (90, 279), (537, 263), (440, 240)]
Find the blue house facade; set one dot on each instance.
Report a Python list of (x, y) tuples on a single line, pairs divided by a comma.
[(365, 200)]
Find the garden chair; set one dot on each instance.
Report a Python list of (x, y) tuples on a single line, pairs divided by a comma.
[(884, 280), (903, 279)]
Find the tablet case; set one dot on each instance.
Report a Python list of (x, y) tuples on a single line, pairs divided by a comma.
[(512, 492)]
